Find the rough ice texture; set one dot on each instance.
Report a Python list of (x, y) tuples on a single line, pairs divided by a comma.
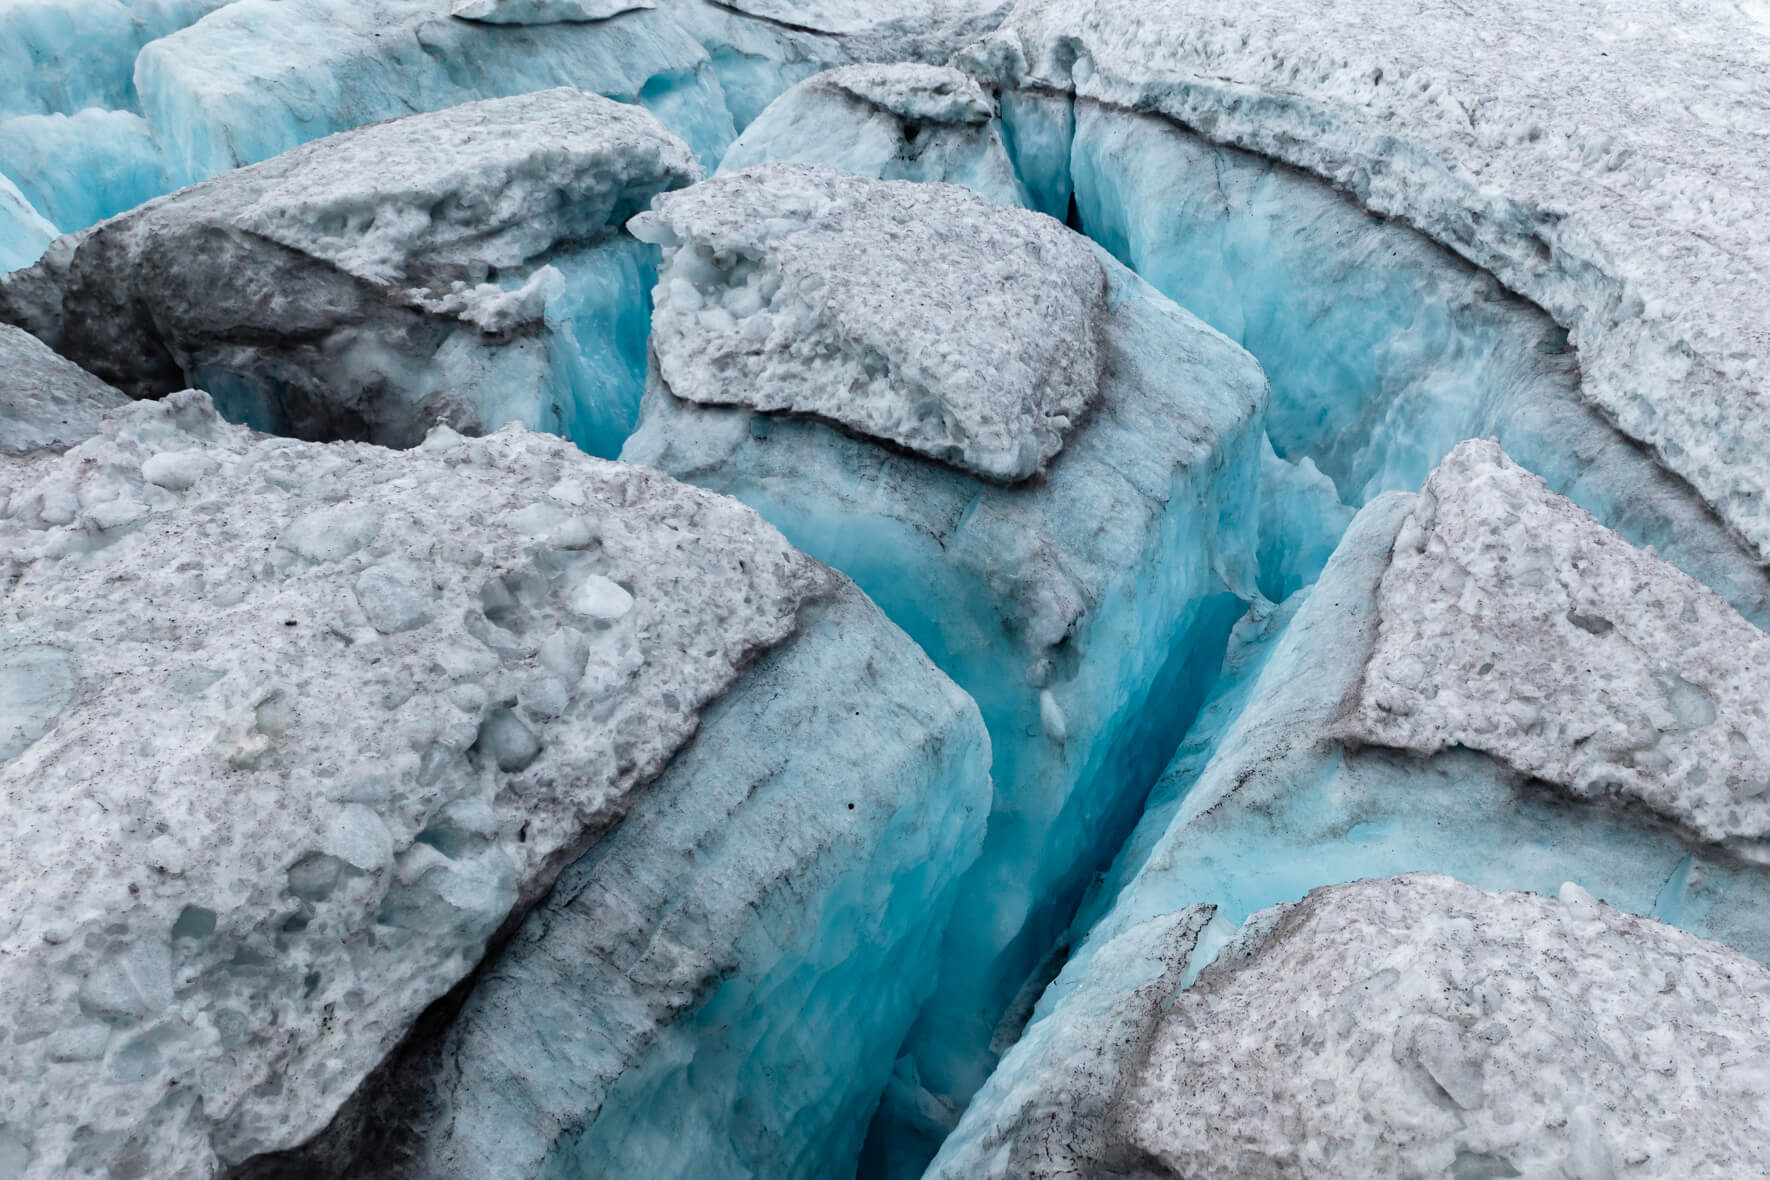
[(902, 121), (46, 401), (356, 286), (294, 729), (968, 336), (863, 16), (1515, 624), (24, 232), (642, 1021), (62, 56), (543, 12), (1420, 1026), (1607, 162), (79, 169), (1409, 1026)]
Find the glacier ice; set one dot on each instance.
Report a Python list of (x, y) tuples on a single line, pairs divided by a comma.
[(372, 283), (543, 12), (1413, 1026), (1064, 603), (409, 677), (900, 121), (63, 56), (46, 402), (24, 233), (76, 170), (1606, 178)]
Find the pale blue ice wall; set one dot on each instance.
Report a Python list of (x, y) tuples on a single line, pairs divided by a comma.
[(1383, 349)]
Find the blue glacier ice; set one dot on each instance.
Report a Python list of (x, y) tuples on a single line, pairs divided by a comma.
[(24, 232), (79, 169), (64, 56), (1383, 349), (1071, 605)]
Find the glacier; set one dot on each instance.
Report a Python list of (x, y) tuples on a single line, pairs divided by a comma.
[(425, 681), (1300, 475), (1066, 619)]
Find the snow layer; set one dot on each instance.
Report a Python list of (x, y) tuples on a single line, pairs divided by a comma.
[(543, 12), (1064, 604), (1418, 1026), (1515, 624), (902, 121), (733, 1012), (969, 336), (383, 279), (46, 402), (1608, 163), (421, 683)]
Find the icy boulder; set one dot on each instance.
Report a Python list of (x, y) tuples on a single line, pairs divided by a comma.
[(1613, 179), (1487, 683), (466, 266), (1064, 601), (969, 338), (543, 12), (894, 122), (1413, 1026), (46, 402), (268, 798)]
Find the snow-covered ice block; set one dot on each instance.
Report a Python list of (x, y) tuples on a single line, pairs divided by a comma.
[(63, 56), (902, 121), (46, 401), (79, 169), (734, 1012), (1614, 177), (422, 682), (1583, 677), (1063, 603), (24, 233), (543, 12), (464, 266), (970, 336), (1410, 1026)]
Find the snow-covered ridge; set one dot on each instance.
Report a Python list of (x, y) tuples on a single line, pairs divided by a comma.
[(968, 335), (295, 728), (1513, 623), (1605, 160)]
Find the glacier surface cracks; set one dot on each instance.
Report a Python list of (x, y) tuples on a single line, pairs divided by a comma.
[(1085, 578)]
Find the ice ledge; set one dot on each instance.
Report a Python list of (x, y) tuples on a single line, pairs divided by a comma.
[(1515, 624), (1606, 161), (969, 335)]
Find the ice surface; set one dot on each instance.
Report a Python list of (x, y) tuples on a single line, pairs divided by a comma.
[(1063, 604), (46, 402), (1513, 623), (1408, 1026), (735, 1011), (391, 667), (893, 122), (63, 56), (1613, 176), (543, 12), (372, 283), (969, 337), (1383, 349), (24, 232), (77, 170)]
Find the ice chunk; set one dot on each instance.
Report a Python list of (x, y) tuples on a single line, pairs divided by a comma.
[(46, 401), (733, 1011), (62, 56), (1555, 177), (1408, 1026), (24, 232), (1515, 624), (1295, 784), (895, 122), (400, 782), (373, 283), (1078, 596), (543, 12), (970, 336)]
